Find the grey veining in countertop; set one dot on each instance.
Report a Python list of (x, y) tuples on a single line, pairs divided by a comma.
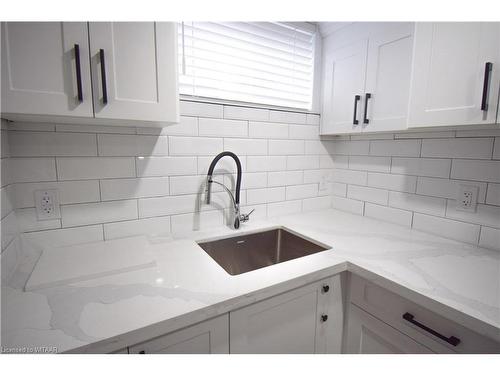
[(458, 280)]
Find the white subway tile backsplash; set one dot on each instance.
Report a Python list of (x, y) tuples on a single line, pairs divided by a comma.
[(286, 147), (348, 205), (479, 170), (302, 162), (490, 238), (303, 132), (39, 144), (246, 146), (493, 195), (31, 169), (317, 203), (32, 126), (368, 194), (421, 167), (267, 195), (187, 126), (288, 117), (423, 135), (129, 188), (180, 185), (132, 145), (66, 236), (389, 214), (484, 215), (392, 182), (196, 221), (339, 189), (283, 178), (350, 147), (370, 163), (268, 130), (74, 128), (417, 203), (312, 119), (188, 108), (6, 200), (496, 150), (194, 145), (468, 148), (28, 221), (347, 176), (266, 163), (369, 136), (152, 226), (245, 113), (10, 228), (91, 168), (445, 188), (284, 208), (68, 192), (456, 230), (222, 128), (301, 191), (333, 161), (166, 166), (396, 148), (316, 175), (161, 206), (478, 133), (94, 213), (249, 180)]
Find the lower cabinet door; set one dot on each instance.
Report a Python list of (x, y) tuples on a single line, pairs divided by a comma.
[(209, 337), (369, 335), (298, 321)]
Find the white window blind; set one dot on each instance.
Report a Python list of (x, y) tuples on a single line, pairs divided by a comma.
[(255, 62)]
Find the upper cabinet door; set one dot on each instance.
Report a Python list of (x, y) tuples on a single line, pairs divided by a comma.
[(450, 74), (134, 70), (344, 72), (388, 78), (45, 69)]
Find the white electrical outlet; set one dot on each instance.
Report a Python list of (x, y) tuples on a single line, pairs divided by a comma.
[(467, 197), (47, 204), (324, 180)]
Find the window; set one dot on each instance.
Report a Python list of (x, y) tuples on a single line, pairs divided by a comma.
[(254, 62)]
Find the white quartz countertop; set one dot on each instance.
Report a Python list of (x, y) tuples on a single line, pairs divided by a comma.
[(459, 281)]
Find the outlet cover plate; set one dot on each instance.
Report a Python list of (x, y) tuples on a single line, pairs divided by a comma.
[(467, 197), (47, 204)]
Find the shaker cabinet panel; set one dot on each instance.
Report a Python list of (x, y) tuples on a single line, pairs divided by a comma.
[(452, 82), (208, 337), (134, 70), (343, 84), (45, 69), (388, 79), (304, 320)]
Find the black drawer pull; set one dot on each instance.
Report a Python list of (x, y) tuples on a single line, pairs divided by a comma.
[(142, 352), (452, 340), (357, 98), (487, 70), (365, 118), (103, 77), (78, 73)]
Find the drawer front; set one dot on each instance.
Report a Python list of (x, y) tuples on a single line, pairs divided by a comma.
[(416, 321)]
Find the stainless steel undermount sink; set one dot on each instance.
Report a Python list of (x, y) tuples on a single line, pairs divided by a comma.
[(248, 252)]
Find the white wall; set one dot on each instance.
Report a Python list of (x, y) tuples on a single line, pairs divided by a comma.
[(119, 181), (411, 179)]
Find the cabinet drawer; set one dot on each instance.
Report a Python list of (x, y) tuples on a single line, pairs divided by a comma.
[(390, 308)]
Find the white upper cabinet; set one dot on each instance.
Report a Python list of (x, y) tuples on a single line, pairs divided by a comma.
[(453, 82), (388, 73), (134, 69), (366, 78), (343, 84), (45, 66), (127, 75)]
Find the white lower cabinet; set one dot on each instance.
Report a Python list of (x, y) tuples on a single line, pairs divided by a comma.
[(304, 320), (369, 335), (208, 337)]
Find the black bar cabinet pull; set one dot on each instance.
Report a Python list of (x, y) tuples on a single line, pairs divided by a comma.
[(487, 70), (365, 119), (356, 100), (452, 340), (103, 77), (78, 73)]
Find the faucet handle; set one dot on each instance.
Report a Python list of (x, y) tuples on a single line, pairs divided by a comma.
[(246, 217)]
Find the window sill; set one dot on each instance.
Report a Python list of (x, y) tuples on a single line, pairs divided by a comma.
[(235, 103)]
